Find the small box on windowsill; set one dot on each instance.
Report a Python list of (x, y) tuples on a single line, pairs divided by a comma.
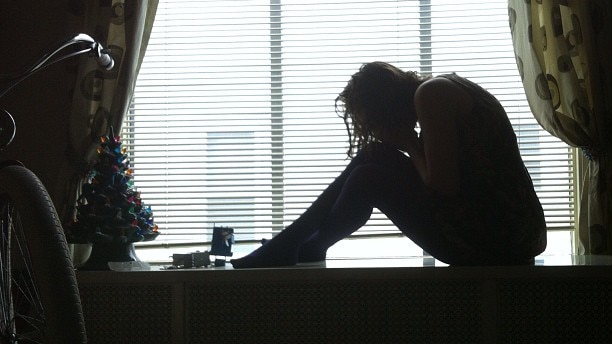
[(191, 260)]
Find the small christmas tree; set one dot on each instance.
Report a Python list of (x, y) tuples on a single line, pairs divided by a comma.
[(109, 209)]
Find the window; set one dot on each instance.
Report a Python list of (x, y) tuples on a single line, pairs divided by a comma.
[(233, 122)]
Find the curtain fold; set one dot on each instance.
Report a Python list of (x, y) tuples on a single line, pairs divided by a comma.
[(102, 98), (564, 55)]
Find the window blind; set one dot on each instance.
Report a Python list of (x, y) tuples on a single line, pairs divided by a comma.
[(232, 121)]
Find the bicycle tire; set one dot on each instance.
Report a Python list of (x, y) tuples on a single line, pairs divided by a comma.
[(35, 221)]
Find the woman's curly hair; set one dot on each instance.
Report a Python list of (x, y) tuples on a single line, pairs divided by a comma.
[(378, 95)]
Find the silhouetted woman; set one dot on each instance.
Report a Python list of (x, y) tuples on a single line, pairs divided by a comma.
[(458, 188)]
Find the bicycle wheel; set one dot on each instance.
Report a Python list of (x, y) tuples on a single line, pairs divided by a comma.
[(39, 297)]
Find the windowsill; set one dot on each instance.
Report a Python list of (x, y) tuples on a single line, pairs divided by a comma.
[(384, 247), (382, 251), (398, 262)]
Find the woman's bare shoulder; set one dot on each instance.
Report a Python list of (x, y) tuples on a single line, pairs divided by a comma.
[(440, 88), (443, 94), (436, 83)]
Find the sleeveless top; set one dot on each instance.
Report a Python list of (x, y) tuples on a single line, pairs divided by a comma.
[(496, 212)]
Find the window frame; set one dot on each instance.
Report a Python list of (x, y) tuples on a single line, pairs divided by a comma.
[(277, 145)]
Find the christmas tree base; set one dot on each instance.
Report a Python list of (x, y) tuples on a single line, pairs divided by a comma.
[(102, 253)]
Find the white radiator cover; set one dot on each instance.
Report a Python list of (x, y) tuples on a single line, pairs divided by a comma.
[(528, 304)]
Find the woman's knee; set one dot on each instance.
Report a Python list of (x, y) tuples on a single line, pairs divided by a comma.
[(369, 173), (384, 184)]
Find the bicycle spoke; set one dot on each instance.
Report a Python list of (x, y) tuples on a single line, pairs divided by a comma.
[(6, 321), (26, 287), (22, 319), (39, 301)]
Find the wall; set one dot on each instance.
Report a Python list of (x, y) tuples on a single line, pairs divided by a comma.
[(41, 104)]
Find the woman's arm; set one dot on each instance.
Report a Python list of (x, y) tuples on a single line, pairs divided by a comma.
[(439, 105)]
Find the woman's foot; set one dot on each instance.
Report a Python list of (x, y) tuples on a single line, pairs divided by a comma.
[(266, 256), (310, 253), (269, 255)]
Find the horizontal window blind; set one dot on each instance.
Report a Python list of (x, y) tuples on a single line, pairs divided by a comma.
[(233, 123)]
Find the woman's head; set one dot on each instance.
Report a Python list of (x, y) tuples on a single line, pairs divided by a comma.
[(378, 97)]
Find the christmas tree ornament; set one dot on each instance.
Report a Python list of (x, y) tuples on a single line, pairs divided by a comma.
[(110, 213)]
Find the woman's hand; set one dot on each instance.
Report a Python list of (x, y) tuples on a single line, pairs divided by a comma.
[(413, 143)]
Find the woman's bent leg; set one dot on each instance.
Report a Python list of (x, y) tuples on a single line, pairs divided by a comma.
[(385, 179), (282, 249), (394, 187), (391, 184)]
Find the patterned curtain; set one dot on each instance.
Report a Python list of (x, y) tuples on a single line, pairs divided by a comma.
[(101, 98), (564, 56), (62, 111)]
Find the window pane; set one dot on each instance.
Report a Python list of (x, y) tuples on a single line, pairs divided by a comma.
[(233, 120)]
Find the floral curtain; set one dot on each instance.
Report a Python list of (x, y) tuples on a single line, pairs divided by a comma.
[(101, 98), (564, 55)]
